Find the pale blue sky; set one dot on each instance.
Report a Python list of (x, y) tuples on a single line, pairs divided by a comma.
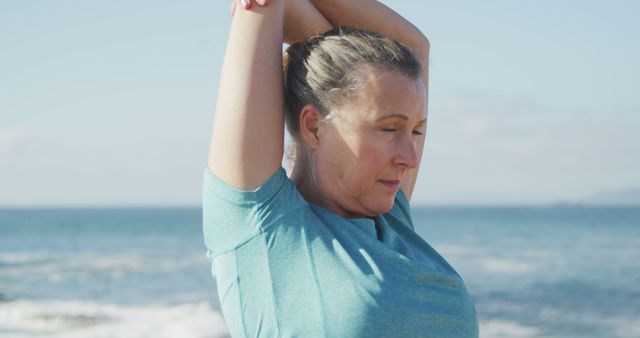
[(110, 103)]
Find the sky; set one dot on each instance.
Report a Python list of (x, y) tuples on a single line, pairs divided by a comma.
[(110, 103)]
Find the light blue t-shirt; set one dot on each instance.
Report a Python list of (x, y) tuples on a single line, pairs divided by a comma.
[(289, 268)]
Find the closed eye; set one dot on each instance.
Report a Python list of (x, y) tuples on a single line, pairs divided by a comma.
[(418, 132)]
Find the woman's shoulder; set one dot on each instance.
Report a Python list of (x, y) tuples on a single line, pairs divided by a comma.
[(231, 216)]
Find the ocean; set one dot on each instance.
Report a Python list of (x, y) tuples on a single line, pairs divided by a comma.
[(559, 271)]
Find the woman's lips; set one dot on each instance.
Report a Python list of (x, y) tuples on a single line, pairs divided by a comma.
[(391, 183)]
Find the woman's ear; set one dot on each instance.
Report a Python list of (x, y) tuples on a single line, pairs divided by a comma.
[(309, 121)]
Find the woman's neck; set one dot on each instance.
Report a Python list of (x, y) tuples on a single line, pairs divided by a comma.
[(303, 176)]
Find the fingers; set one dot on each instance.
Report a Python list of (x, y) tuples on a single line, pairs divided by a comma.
[(246, 4)]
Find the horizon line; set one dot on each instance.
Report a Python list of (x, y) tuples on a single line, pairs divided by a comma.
[(413, 206)]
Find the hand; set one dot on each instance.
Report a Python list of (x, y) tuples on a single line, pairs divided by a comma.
[(246, 4)]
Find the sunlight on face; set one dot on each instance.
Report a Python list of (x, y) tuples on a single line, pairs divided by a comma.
[(368, 145)]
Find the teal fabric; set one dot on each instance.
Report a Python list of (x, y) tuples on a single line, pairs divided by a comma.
[(289, 268)]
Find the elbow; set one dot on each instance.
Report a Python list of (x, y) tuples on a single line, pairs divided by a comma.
[(423, 41), (421, 47), (424, 44)]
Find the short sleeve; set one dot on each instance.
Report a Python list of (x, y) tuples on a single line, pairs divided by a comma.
[(232, 216), (401, 210)]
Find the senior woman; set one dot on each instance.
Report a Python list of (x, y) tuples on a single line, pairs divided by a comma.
[(331, 250)]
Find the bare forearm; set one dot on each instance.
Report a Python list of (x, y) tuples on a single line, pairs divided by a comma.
[(374, 16), (302, 20)]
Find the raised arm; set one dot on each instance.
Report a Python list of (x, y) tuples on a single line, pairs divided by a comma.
[(248, 131), (374, 16), (301, 18)]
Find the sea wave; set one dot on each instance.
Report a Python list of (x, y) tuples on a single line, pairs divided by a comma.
[(22, 258), (90, 319), (507, 265), (506, 329), (56, 267)]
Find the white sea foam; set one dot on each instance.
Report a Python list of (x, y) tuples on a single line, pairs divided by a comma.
[(478, 258), (458, 250), (506, 265), (93, 320), (506, 329), (10, 258), (619, 326), (57, 267), (625, 328)]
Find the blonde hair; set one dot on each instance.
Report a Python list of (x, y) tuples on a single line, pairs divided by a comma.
[(322, 71)]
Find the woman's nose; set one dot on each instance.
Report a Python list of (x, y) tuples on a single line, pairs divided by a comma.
[(407, 155)]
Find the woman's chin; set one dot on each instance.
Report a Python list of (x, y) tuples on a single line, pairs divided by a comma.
[(381, 207)]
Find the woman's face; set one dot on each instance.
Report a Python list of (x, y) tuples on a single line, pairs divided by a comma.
[(367, 146)]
